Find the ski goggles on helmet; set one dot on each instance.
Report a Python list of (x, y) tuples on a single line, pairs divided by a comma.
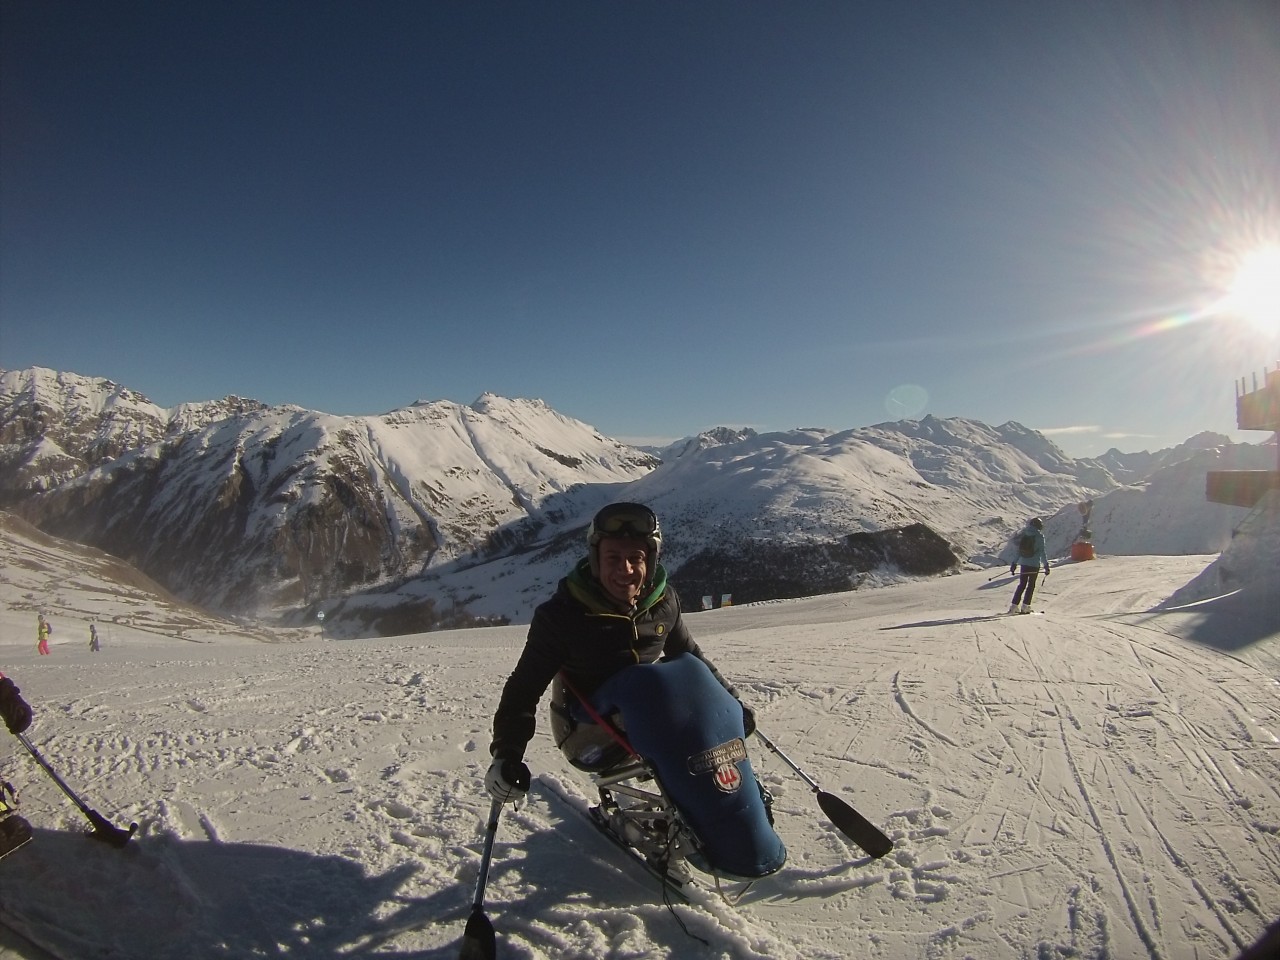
[(624, 520)]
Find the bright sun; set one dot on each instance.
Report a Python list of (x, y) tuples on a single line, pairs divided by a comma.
[(1255, 292)]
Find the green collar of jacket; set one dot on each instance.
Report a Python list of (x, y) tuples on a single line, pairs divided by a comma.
[(586, 589)]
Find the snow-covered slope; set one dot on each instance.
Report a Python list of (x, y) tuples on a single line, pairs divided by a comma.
[(78, 585), (1100, 781)]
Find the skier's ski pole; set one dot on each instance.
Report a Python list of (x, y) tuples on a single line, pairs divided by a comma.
[(848, 820), (102, 828), (478, 941)]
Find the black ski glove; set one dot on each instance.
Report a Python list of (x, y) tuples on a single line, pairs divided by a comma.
[(16, 712)]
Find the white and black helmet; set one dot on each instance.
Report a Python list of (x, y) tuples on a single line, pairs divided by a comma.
[(629, 521)]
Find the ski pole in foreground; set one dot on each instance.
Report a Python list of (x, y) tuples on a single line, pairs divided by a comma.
[(478, 941), (847, 820), (102, 829)]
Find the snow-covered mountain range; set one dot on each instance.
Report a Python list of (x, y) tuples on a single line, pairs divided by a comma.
[(440, 513)]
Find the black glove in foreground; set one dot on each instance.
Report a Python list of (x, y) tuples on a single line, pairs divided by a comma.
[(16, 712)]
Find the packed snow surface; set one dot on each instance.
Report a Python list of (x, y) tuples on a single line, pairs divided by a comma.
[(1099, 782)]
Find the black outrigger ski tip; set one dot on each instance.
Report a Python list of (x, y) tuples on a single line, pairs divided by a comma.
[(848, 820), (478, 940), (854, 825), (107, 832)]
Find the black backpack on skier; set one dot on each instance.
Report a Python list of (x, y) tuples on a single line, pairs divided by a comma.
[(1027, 545)]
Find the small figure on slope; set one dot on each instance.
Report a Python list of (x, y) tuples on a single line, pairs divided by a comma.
[(94, 645), (1031, 557), (43, 630)]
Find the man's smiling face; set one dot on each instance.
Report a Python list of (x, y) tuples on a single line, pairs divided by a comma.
[(624, 568)]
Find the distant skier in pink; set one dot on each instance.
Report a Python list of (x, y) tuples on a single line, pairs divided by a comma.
[(43, 630)]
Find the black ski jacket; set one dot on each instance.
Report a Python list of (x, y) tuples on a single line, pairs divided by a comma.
[(580, 632)]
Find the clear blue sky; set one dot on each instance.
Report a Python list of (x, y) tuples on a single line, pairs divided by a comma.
[(657, 217)]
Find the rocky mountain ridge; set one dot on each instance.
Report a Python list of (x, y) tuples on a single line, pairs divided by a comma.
[(247, 508), (440, 512)]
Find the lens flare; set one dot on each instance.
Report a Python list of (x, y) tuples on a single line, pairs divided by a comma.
[(1255, 293)]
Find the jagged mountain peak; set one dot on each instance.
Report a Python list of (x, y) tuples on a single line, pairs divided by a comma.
[(71, 391), (75, 398), (491, 402), (1205, 440), (715, 437)]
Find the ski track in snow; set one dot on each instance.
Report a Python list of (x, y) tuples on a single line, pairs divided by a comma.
[(1068, 785)]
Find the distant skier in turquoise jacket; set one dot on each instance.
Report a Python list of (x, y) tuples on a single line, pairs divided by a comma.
[(1031, 557)]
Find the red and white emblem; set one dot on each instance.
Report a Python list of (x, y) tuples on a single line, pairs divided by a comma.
[(722, 763), (728, 777)]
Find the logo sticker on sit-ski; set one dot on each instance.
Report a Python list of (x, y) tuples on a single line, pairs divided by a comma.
[(722, 763), (728, 778)]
